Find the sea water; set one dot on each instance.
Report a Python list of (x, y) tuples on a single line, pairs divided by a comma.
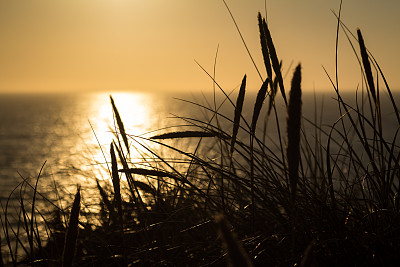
[(65, 133)]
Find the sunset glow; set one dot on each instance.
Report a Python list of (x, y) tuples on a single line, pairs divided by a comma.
[(151, 45)]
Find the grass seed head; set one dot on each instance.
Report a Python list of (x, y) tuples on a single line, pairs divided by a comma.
[(293, 130)]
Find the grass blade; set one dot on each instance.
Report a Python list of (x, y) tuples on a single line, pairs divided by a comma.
[(72, 232), (133, 189), (241, 37), (142, 171), (106, 201), (33, 208)]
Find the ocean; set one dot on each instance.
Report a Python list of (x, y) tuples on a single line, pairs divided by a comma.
[(64, 132)]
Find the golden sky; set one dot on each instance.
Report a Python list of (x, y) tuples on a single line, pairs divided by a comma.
[(83, 45)]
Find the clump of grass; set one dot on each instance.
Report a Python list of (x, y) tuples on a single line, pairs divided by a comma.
[(298, 199), (37, 236)]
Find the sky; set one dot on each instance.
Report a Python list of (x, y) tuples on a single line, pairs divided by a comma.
[(152, 45)]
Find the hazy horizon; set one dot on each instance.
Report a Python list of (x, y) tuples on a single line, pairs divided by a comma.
[(123, 45)]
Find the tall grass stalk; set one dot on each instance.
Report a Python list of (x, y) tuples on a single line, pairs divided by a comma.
[(293, 132), (293, 146), (256, 113)]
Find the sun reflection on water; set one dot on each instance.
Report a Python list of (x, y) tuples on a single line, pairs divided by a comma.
[(91, 146), (135, 110)]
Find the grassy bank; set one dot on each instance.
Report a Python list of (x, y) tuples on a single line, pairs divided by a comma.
[(330, 198)]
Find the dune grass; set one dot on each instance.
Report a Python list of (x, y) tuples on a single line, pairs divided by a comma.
[(330, 199)]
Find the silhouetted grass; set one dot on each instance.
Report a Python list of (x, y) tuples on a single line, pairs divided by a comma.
[(72, 232), (331, 198)]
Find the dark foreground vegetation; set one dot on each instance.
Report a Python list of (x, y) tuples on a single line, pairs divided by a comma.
[(329, 200)]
